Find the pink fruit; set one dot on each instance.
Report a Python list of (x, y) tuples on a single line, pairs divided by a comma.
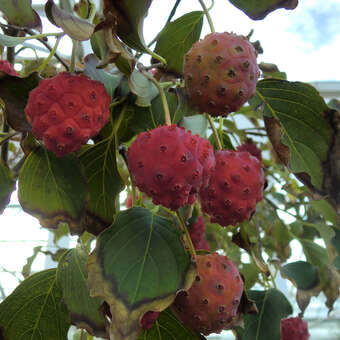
[(7, 67), (66, 111), (294, 329), (251, 147), (234, 189), (212, 301), (148, 320), (197, 233), (220, 73), (170, 165)]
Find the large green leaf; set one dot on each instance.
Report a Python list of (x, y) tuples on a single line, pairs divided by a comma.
[(130, 16), (167, 326), (258, 9), (324, 208), (303, 274), (298, 108), (104, 182), (315, 254), (14, 92), (272, 306), (177, 37), (53, 189), (20, 13), (138, 265), (7, 185), (35, 310), (336, 244), (84, 310)]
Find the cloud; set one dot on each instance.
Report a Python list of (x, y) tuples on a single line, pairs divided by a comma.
[(317, 23)]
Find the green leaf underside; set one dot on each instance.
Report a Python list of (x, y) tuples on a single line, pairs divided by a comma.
[(35, 310), (7, 185), (272, 306), (103, 179), (138, 265), (336, 244), (130, 17), (20, 13), (110, 81), (72, 276), (53, 189), (298, 107), (74, 26), (324, 208), (258, 9), (315, 254), (303, 274), (167, 326), (177, 38)]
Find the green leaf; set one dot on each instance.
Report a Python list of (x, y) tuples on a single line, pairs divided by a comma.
[(138, 265), (110, 81), (196, 124), (177, 38), (315, 254), (336, 244), (167, 326), (53, 189), (104, 182), (21, 13), (258, 9), (35, 310), (251, 272), (325, 209), (75, 27), (7, 185), (14, 93), (298, 108), (130, 16), (272, 306), (303, 274), (71, 277), (143, 88), (325, 231)]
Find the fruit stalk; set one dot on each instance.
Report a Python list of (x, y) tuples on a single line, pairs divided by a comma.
[(213, 127), (206, 12), (188, 238)]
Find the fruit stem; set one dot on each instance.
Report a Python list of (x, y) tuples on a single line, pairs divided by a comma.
[(167, 116), (52, 53), (188, 238), (156, 56), (73, 56), (206, 12), (213, 127)]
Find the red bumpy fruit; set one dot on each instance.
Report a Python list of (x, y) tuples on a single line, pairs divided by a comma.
[(251, 147), (234, 189), (170, 165), (220, 73), (66, 110), (7, 67), (212, 301), (294, 329), (197, 233), (148, 320)]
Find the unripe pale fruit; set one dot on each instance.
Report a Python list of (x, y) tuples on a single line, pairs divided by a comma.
[(170, 165), (234, 189), (66, 111), (220, 73), (211, 303)]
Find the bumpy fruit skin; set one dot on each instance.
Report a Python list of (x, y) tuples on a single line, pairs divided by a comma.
[(197, 232), (234, 189), (251, 147), (294, 329), (212, 301), (220, 73), (170, 165), (66, 111), (148, 320), (7, 67)]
